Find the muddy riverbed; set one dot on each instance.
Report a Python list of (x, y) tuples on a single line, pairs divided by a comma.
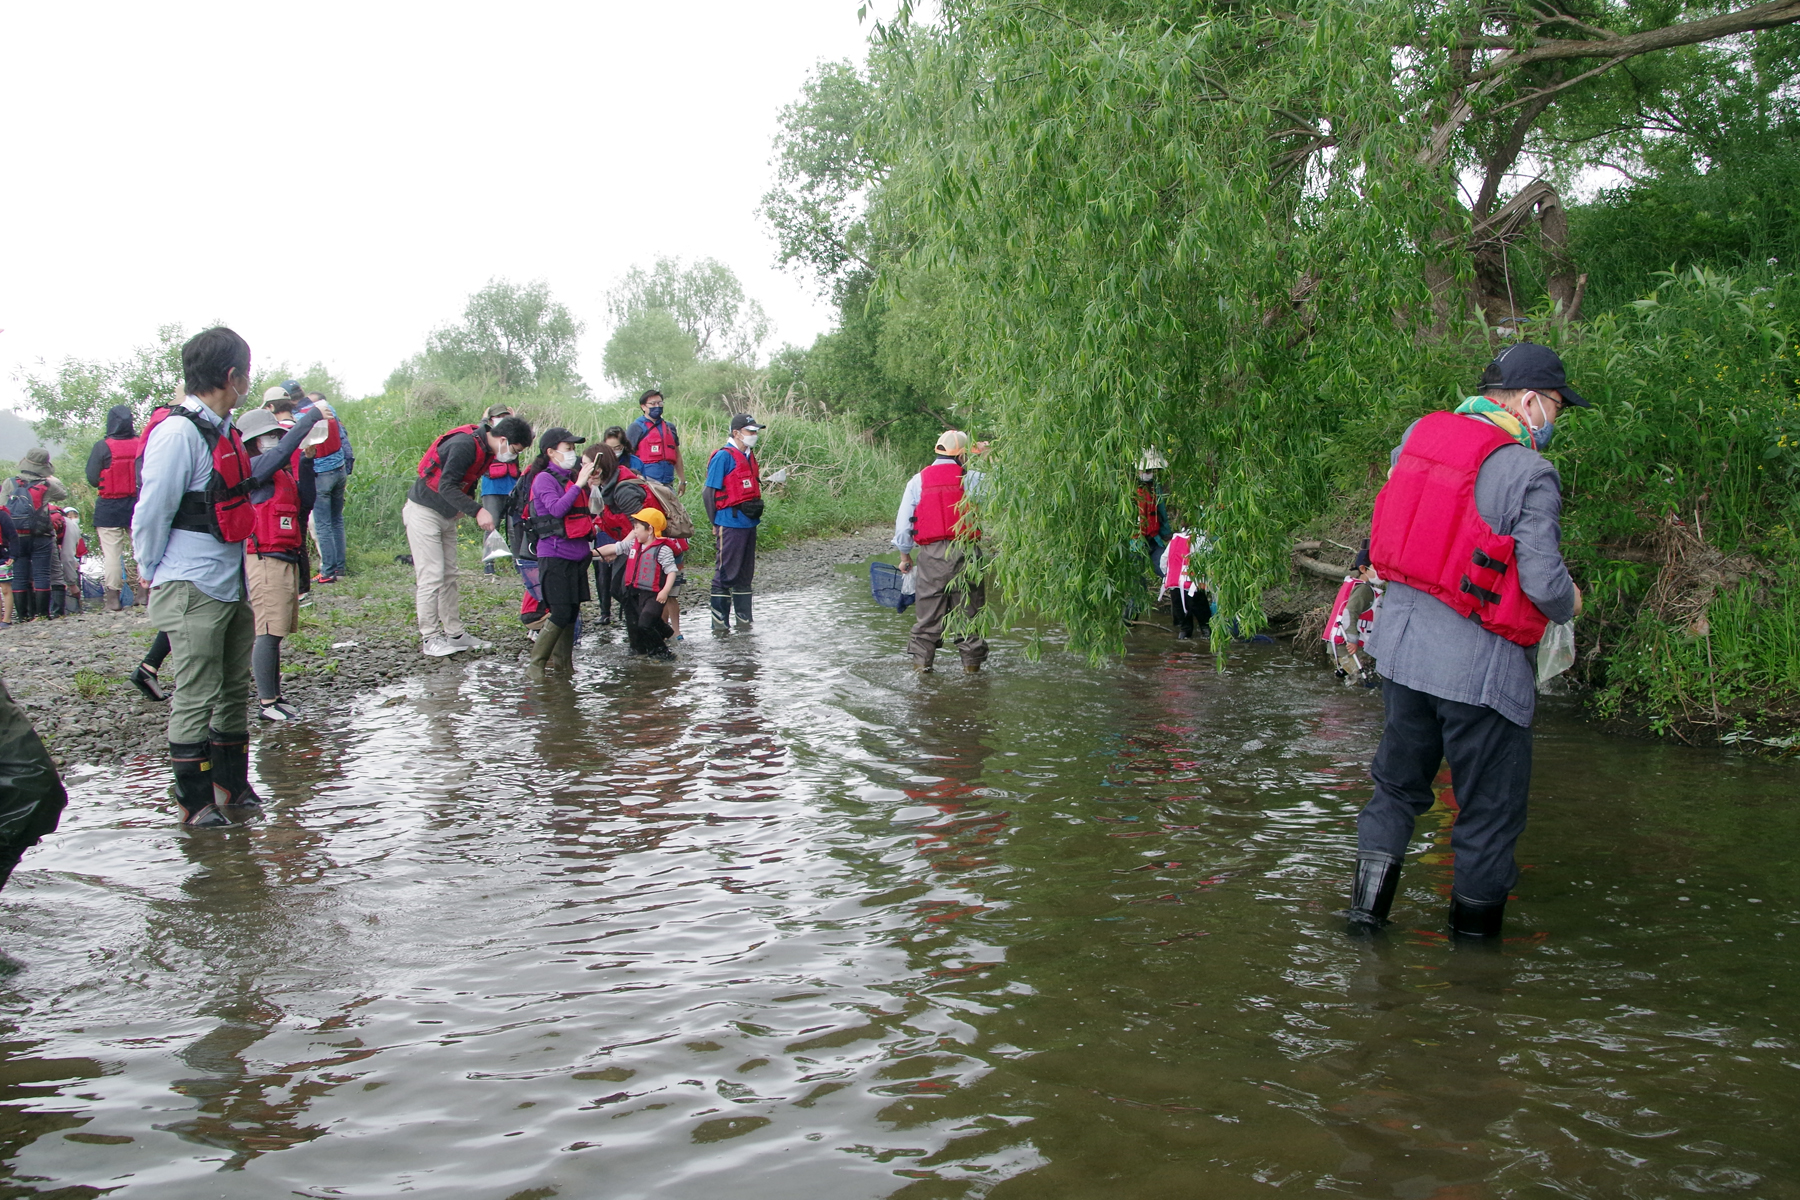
[(784, 920)]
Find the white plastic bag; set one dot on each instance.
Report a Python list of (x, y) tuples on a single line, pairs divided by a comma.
[(907, 585), (1556, 652)]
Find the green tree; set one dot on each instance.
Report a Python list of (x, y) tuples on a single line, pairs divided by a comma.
[(824, 170), (73, 400), (512, 337), (706, 301), (648, 349)]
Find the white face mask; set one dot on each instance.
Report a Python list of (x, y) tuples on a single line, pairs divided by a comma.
[(506, 455), (749, 440), (565, 458), (267, 442), (1146, 476)]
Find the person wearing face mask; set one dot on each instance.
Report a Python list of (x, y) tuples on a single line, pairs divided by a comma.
[(192, 517), (272, 554), (733, 498), (561, 519), (1153, 516), (933, 519), (656, 443), (1467, 535), (443, 493)]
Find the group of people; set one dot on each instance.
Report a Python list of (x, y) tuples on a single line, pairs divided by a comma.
[(612, 507), (1464, 542)]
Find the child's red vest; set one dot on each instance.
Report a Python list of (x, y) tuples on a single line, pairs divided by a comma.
[(642, 568), (279, 525), (1428, 534)]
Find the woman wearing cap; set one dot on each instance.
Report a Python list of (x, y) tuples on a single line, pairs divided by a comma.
[(563, 521)]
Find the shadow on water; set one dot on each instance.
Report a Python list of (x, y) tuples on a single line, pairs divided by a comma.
[(784, 920)]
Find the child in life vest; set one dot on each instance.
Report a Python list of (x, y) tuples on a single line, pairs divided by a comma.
[(1189, 604), (1353, 620), (650, 570)]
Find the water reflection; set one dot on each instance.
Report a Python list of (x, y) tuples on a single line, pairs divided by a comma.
[(783, 919)]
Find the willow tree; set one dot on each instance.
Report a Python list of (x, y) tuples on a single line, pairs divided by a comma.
[(1223, 230)]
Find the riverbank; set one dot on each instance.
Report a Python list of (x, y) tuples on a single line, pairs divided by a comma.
[(73, 675)]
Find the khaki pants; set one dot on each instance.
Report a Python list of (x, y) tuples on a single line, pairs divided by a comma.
[(435, 593), (211, 641), (113, 540), (944, 585)]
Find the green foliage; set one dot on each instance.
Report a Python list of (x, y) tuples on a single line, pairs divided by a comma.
[(648, 349), (705, 300), (75, 398), (512, 338), (823, 170)]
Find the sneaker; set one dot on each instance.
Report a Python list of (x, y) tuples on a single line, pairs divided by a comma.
[(325, 578), (438, 646), (468, 641), (533, 632), (279, 710), (306, 600)]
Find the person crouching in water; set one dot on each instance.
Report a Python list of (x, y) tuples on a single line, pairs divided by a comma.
[(560, 518), (272, 563), (649, 579)]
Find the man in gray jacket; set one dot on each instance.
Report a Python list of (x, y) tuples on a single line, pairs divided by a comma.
[(1455, 689)]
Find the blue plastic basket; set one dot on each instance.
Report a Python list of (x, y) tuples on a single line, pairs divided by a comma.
[(884, 585)]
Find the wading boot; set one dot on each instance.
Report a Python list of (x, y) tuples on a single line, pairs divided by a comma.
[(1372, 895), (721, 611), (231, 772), (544, 648), (1475, 920), (22, 608), (193, 785), (59, 602), (562, 654), (111, 600), (741, 599)]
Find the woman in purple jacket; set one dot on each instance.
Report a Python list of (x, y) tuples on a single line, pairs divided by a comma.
[(559, 518)]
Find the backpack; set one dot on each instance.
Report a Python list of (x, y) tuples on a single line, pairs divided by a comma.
[(26, 506), (625, 496), (678, 524)]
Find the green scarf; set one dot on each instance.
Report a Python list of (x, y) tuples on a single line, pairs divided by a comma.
[(1483, 407)]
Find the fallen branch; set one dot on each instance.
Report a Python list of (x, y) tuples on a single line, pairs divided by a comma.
[(1323, 570)]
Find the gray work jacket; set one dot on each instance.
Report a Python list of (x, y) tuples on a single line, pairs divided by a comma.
[(1421, 642)]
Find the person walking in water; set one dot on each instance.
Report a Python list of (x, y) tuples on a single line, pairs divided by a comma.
[(933, 519), (1467, 535), (561, 520), (112, 470), (733, 499), (656, 443), (193, 514), (444, 493)]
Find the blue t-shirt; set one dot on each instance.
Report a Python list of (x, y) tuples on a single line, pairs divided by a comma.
[(722, 464)]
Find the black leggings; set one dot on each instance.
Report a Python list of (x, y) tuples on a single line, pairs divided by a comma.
[(159, 650)]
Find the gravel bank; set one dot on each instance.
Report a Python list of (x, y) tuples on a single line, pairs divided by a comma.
[(73, 675)]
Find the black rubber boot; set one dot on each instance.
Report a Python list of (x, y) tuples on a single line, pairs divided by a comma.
[(1475, 920), (741, 600), (1372, 895), (59, 602), (721, 611), (41, 601), (231, 771), (192, 766)]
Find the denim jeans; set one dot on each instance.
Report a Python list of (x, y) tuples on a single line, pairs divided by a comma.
[(328, 520)]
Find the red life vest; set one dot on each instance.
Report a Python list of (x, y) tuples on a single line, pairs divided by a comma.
[(1428, 534), (119, 479), (495, 469), (741, 482), (656, 444), (642, 568), (577, 524), (279, 528), (1149, 524), (334, 440), (223, 509), (431, 465), (938, 518)]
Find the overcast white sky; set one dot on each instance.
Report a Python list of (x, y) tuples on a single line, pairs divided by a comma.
[(333, 179)]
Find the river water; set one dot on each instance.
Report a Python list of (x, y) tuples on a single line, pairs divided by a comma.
[(783, 920)]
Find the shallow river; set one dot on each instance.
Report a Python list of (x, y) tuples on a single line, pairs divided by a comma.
[(784, 921)]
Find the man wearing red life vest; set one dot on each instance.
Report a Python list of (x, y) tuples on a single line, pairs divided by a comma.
[(192, 516), (933, 519), (445, 492), (1467, 535), (733, 497), (112, 468)]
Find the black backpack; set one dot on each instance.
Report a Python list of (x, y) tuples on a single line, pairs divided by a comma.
[(27, 507)]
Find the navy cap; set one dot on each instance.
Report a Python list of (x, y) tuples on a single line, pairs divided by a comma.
[(1529, 365), (555, 436), (744, 421)]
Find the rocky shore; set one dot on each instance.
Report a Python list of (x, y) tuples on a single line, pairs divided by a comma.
[(72, 675)]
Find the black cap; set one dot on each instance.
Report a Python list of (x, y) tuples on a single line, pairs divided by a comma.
[(1529, 365), (555, 436), (744, 421)]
